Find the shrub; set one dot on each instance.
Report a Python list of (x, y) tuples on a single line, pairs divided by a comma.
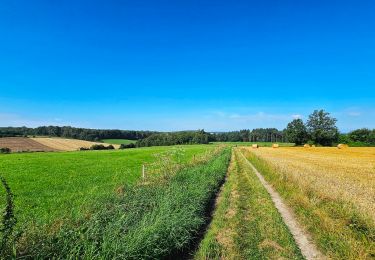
[(5, 150), (101, 147), (127, 146)]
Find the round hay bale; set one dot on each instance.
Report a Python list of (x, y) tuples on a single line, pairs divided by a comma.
[(342, 146), (306, 146), (255, 146), (275, 145)]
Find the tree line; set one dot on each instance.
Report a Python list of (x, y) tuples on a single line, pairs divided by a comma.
[(75, 133), (255, 135), (172, 138), (202, 137), (320, 128), (148, 138), (359, 137)]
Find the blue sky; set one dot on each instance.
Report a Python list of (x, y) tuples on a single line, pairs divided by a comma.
[(175, 65)]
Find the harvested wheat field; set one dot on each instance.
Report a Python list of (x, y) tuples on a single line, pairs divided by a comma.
[(331, 190), (22, 144), (62, 144), (346, 174)]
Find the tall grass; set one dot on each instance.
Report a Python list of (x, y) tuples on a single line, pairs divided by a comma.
[(8, 222), (158, 219)]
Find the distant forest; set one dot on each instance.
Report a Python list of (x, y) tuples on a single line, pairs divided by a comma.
[(202, 137), (359, 137), (73, 132), (148, 138)]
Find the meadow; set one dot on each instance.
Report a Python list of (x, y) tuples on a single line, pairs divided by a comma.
[(58, 191), (51, 186)]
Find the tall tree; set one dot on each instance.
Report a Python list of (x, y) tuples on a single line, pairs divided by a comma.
[(296, 132), (322, 128)]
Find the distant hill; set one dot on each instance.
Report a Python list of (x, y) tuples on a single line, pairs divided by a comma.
[(75, 133), (42, 144)]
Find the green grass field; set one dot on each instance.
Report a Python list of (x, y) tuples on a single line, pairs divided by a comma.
[(53, 186), (158, 219), (70, 200), (118, 141)]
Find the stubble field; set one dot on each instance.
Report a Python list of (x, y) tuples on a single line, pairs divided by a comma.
[(332, 192)]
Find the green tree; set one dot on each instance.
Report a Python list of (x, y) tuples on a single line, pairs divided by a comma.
[(371, 137), (360, 135), (344, 139), (322, 128), (296, 132)]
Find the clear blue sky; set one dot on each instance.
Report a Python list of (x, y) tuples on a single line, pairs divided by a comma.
[(174, 65)]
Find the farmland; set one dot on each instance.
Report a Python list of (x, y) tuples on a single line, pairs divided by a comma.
[(21, 144), (46, 144), (98, 202), (64, 144), (58, 189), (77, 178), (332, 192)]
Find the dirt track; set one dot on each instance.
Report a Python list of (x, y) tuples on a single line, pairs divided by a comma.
[(303, 240)]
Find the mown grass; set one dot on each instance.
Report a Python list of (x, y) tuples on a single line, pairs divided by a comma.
[(246, 225), (118, 141), (338, 228), (150, 220)]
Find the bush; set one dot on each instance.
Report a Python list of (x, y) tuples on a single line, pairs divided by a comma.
[(127, 146), (360, 144), (84, 149), (5, 150), (101, 147)]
